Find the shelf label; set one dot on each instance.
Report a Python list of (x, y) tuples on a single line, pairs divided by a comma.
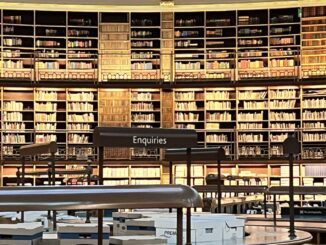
[(141, 137)]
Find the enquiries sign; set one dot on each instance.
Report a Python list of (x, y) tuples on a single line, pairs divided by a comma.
[(144, 137)]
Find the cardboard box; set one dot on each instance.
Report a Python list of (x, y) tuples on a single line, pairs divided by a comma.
[(137, 240), (21, 234), (143, 226), (75, 234), (202, 231), (206, 228), (233, 227), (119, 220)]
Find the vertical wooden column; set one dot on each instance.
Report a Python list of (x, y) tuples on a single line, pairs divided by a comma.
[(114, 47), (114, 111), (167, 46), (167, 122)]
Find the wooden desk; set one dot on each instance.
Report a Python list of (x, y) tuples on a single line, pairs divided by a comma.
[(316, 228), (272, 235)]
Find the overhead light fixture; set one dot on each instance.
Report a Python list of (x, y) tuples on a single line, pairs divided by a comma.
[(167, 3)]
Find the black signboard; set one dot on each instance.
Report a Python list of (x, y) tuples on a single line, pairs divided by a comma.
[(197, 154), (144, 137)]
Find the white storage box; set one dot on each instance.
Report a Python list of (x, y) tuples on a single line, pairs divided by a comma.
[(144, 226), (119, 221), (21, 234), (233, 227), (80, 234), (202, 231), (205, 228), (137, 240)]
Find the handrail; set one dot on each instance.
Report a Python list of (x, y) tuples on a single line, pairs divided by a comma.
[(101, 197), (97, 197)]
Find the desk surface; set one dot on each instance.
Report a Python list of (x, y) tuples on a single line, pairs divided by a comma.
[(305, 226), (269, 235)]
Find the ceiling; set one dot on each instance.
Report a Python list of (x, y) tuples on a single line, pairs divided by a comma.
[(154, 5), (136, 3)]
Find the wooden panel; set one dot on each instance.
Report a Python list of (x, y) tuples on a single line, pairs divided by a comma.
[(114, 111)]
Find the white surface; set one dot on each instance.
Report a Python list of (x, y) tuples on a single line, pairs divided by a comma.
[(18, 242), (201, 230), (78, 242), (137, 240), (21, 229), (80, 228)]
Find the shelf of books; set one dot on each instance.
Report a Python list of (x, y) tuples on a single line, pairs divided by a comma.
[(313, 56), (284, 117), (189, 45), (197, 174), (17, 44), (114, 47), (313, 122), (149, 174), (252, 43), (17, 120), (189, 111), (82, 45), (50, 45), (232, 45), (220, 44), (220, 119), (252, 119), (82, 118), (50, 118), (284, 42), (145, 45), (145, 112)]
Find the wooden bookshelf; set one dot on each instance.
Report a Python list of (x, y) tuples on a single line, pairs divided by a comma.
[(284, 42), (220, 44), (51, 45), (133, 175), (114, 111), (167, 46), (252, 118), (189, 45), (252, 43), (50, 118), (17, 120), (115, 58), (145, 45), (82, 45), (17, 44), (82, 118), (220, 119), (313, 116), (145, 112), (313, 41), (189, 111), (284, 116)]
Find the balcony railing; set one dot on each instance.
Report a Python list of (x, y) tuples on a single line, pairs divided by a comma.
[(113, 66)]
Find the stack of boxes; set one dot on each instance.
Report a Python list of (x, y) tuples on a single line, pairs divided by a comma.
[(206, 228)]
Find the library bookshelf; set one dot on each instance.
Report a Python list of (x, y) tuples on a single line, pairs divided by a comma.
[(167, 48), (234, 45)]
